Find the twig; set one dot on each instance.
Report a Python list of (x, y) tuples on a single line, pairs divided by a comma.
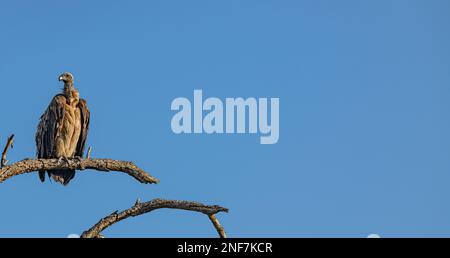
[(217, 225), (88, 156), (141, 208), (9, 143), (104, 165)]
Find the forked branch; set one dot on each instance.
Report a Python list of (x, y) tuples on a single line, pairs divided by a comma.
[(142, 208)]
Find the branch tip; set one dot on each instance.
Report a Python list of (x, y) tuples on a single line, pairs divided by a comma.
[(9, 143)]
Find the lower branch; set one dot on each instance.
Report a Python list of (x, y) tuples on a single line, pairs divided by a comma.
[(104, 165), (141, 208)]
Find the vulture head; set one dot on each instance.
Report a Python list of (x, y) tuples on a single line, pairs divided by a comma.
[(66, 78)]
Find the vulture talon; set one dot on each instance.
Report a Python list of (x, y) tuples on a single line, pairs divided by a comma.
[(79, 160)]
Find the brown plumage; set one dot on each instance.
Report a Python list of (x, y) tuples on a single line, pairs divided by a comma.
[(63, 129)]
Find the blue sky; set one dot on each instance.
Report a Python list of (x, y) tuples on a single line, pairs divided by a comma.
[(364, 114)]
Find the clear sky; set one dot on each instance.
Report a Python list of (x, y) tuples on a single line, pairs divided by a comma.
[(364, 90)]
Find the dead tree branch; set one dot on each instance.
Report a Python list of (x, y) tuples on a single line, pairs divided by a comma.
[(141, 208), (107, 165), (104, 165), (9, 143), (217, 225)]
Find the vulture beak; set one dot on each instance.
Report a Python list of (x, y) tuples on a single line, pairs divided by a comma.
[(60, 78)]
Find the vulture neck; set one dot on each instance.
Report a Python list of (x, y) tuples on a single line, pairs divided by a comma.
[(69, 92)]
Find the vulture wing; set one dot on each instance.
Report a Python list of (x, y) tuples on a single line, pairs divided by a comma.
[(49, 127), (85, 117)]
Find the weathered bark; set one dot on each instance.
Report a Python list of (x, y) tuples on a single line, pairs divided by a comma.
[(104, 165), (141, 208)]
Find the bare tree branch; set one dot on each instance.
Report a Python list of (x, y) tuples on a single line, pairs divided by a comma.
[(9, 143), (107, 165), (104, 165), (141, 208), (217, 225)]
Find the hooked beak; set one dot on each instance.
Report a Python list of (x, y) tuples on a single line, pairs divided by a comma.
[(60, 78)]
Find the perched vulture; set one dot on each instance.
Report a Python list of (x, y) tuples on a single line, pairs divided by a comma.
[(63, 129)]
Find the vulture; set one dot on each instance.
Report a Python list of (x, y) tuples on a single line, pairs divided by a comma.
[(63, 129)]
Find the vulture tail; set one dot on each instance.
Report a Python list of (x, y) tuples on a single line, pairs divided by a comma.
[(42, 175), (62, 176)]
